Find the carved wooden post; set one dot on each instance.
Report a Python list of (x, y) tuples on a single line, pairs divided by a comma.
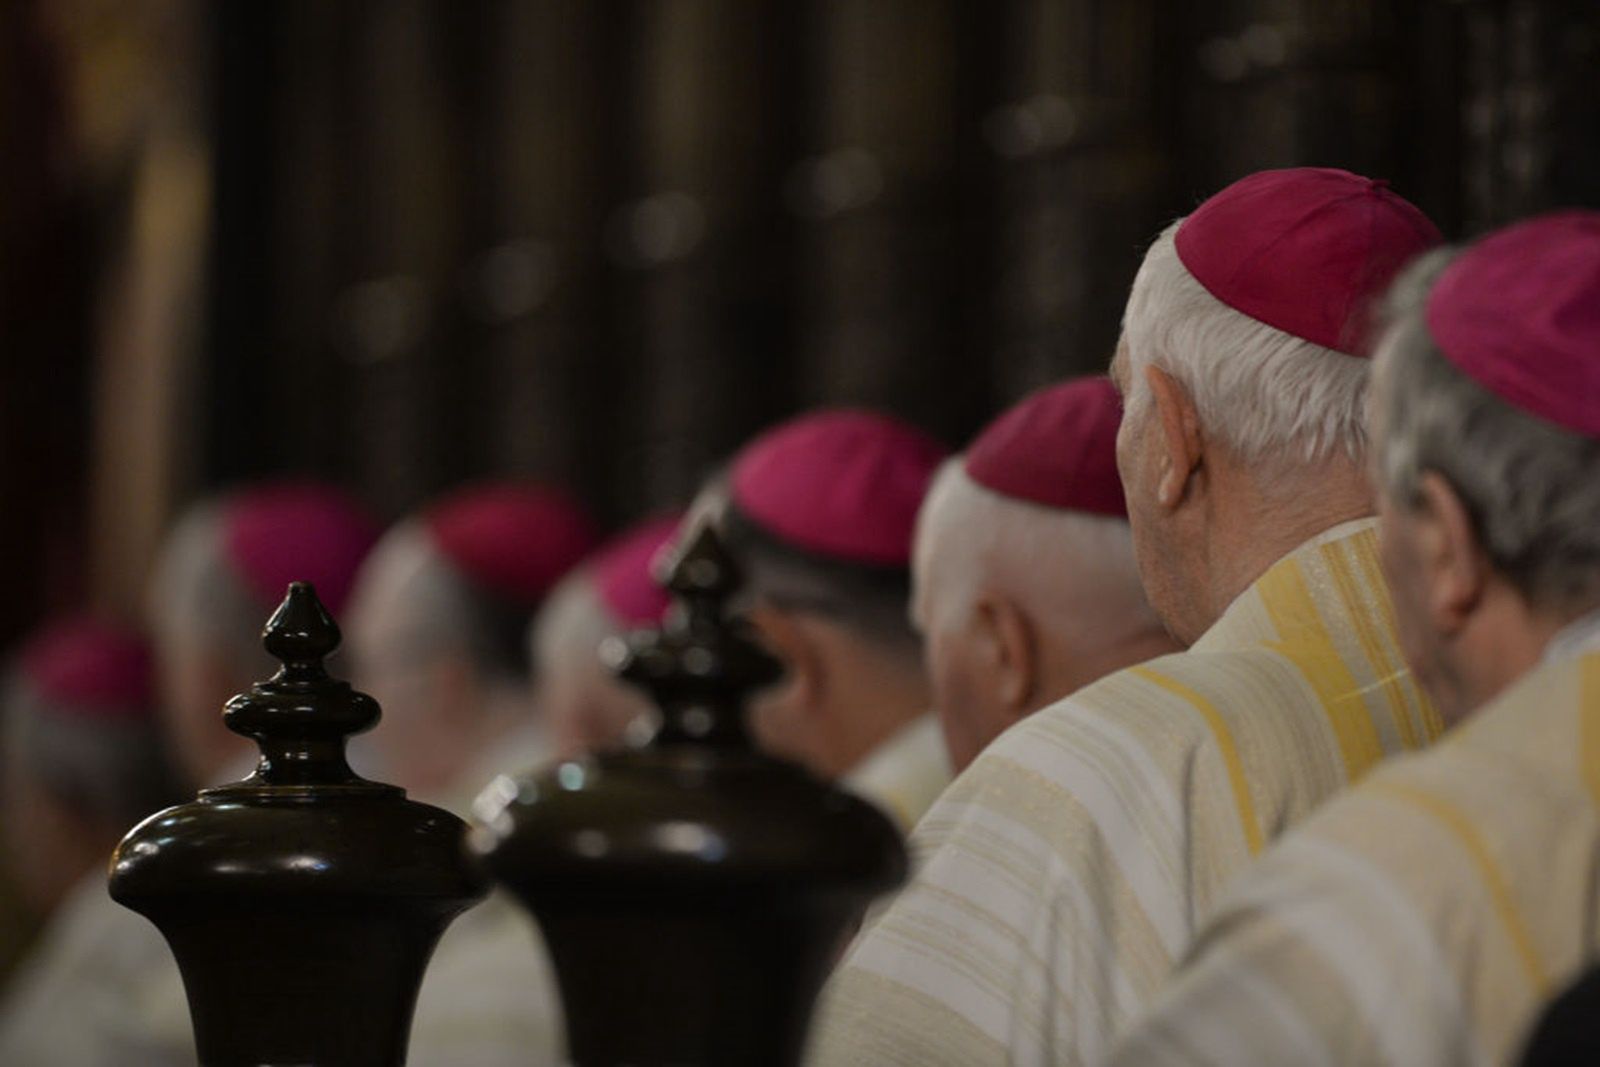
[(303, 902), (693, 892)]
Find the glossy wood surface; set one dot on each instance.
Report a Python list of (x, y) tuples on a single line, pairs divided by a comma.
[(303, 902)]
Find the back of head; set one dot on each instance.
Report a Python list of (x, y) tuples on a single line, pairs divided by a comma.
[(1489, 380), (438, 618), (1260, 303), (1026, 587), (83, 754), (1244, 367), (584, 707), (221, 573), (820, 513)]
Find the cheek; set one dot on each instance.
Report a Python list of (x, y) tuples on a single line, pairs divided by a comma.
[(959, 696), (772, 720), (1126, 449), (947, 673), (1131, 470)]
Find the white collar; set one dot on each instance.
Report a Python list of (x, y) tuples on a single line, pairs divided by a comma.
[(1574, 639)]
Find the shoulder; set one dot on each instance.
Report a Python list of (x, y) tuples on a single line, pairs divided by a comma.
[(1161, 711), (1516, 768), (1119, 771), (1437, 897)]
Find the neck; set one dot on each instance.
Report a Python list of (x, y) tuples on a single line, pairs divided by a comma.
[(1252, 524), (1063, 671), (1505, 639)]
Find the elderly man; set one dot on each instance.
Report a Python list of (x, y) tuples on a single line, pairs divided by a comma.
[(222, 571), (1065, 870), (820, 511), (1424, 917), (82, 757), (102, 988), (489, 997), (1025, 588), (584, 706), (436, 626)]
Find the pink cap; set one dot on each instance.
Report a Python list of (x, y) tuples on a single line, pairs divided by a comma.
[(838, 483), (1057, 447), (1306, 250), (513, 539), (624, 572), (296, 531), (1519, 313), (90, 667)]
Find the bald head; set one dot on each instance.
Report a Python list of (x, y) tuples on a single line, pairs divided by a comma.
[(1019, 605)]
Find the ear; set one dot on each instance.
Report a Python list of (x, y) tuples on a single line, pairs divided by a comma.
[(1455, 566), (1181, 446), (1007, 639), (787, 638)]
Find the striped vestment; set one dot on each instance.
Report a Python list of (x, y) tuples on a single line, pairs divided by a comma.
[(1424, 918), (1061, 876)]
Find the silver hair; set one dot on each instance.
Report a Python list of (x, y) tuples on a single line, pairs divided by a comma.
[(573, 622), (1268, 395), (112, 771), (1073, 572), (443, 612), (1529, 485), (194, 591)]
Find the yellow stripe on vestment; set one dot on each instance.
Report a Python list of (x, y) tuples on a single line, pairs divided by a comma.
[(1372, 643), (1225, 743), (1589, 723), (1460, 826), (1305, 641), (1367, 559)]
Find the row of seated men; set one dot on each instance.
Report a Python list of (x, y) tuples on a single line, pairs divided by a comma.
[(1337, 502)]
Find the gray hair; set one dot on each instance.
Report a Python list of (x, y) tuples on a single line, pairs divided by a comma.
[(194, 590), (1530, 486), (1267, 394), (443, 612), (110, 770), (573, 623), (1073, 572), (868, 600)]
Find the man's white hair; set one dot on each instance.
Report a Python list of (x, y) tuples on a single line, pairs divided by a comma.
[(574, 622), (1269, 396), (1530, 486), (1074, 573), (195, 592), (112, 770)]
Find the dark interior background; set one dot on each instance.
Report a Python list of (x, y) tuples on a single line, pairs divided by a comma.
[(403, 243)]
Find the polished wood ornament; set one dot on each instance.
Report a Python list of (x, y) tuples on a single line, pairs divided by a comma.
[(693, 891), (303, 902)]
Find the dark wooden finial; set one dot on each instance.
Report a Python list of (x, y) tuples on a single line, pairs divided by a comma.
[(301, 633), (692, 891), (303, 902), (702, 664), (301, 717)]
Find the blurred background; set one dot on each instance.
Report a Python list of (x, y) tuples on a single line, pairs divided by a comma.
[(404, 243)]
